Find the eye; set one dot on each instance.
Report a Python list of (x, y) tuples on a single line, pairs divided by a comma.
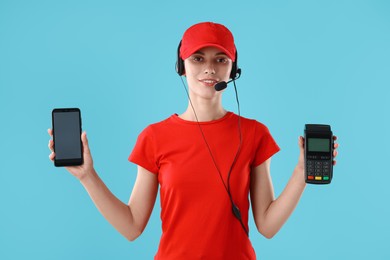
[(197, 58), (222, 60)]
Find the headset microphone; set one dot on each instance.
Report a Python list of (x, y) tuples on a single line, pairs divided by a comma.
[(223, 84)]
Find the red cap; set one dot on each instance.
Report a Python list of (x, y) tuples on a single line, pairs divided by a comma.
[(207, 34)]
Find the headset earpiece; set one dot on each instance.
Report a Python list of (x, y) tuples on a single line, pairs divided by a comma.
[(179, 62), (233, 73)]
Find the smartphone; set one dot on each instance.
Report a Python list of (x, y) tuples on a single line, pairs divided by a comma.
[(318, 154), (67, 137)]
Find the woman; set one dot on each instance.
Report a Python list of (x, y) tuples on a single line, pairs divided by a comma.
[(206, 161)]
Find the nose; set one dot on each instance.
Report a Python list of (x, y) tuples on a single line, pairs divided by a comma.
[(209, 69)]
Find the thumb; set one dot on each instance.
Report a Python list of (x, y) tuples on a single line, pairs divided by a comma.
[(84, 139), (301, 142)]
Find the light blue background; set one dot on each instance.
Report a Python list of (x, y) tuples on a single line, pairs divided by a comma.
[(302, 61)]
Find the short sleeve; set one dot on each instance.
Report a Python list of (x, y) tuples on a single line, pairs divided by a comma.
[(144, 152), (264, 145)]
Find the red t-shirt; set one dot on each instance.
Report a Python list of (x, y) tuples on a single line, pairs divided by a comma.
[(196, 213)]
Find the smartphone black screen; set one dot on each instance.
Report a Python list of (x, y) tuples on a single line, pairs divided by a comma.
[(67, 136)]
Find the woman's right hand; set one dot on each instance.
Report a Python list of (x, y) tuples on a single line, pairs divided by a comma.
[(80, 171)]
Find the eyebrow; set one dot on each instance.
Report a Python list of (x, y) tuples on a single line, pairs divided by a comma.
[(219, 53)]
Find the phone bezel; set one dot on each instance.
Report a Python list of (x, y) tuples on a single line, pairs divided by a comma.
[(72, 161)]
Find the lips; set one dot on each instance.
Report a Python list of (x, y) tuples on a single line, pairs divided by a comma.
[(208, 82)]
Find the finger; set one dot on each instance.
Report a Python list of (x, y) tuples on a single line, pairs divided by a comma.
[(50, 132), (334, 138), (335, 146), (51, 156), (50, 145), (84, 139), (334, 162), (301, 142), (335, 154)]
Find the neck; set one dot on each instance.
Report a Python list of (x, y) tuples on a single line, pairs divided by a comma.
[(206, 110)]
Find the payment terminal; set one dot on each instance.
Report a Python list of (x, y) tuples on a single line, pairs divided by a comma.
[(318, 154)]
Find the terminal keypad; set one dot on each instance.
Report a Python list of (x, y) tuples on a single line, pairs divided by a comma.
[(318, 167)]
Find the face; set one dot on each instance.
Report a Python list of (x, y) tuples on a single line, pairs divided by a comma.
[(204, 69)]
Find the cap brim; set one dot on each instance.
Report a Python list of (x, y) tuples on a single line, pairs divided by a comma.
[(192, 50)]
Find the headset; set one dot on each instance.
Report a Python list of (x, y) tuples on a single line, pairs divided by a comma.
[(235, 74)]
